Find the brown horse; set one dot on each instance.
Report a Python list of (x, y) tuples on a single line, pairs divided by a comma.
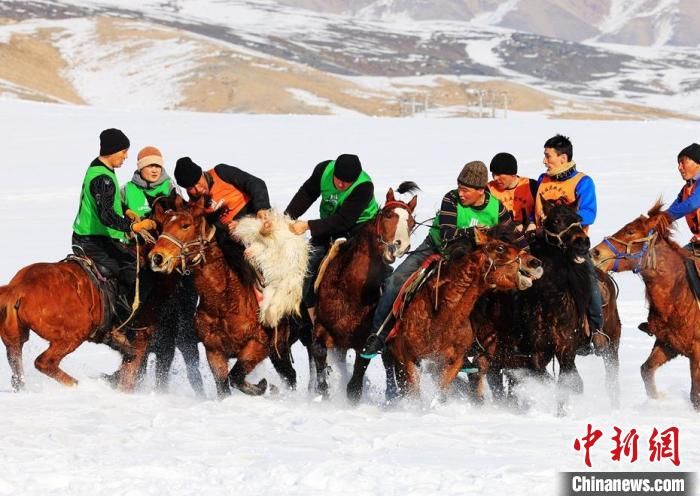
[(555, 308), (227, 317), (349, 289), (444, 334), (644, 246), (60, 303)]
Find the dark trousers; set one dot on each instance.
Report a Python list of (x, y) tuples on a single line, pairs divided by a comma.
[(318, 252), (595, 309)]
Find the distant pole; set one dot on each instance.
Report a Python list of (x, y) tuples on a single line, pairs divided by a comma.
[(492, 94), (413, 104), (481, 103), (505, 104)]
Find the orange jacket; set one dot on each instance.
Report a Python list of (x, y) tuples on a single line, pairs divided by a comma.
[(233, 200), (517, 200)]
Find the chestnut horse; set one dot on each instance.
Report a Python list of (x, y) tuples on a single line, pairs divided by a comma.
[(644, 246), (61, 304), (349, 289), (555, 308), (444, 334), (227, 317)]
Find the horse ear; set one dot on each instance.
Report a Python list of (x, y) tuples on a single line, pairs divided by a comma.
[(480, 237), (390, 195), (546, 205), (177, 201), (412, 204)]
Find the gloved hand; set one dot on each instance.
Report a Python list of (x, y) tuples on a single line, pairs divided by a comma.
[(143, 225), (131, 215)]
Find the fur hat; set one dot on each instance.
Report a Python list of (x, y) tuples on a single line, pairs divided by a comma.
[(149, 155), (504, 163), (474, 175), (112, 141), (347, 168), (692, 152), (187, 173)]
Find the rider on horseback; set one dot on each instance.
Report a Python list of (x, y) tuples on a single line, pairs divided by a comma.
[(229, 194), (687, 204), (100, 228), (469, 206), (150, 180), (347, 202), (563, 181), (515, 192)]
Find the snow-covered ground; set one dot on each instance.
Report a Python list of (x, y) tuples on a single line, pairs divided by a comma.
[(93, 440)]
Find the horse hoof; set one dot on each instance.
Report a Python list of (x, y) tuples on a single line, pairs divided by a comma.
[(17, 384), (254, 389), (354, 393)]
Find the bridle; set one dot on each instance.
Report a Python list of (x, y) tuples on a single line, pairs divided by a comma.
[(644, 257), (195, 247), (558, 236), (493, 263), (391, 205)]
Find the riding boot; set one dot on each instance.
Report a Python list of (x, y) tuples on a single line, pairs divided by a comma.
[(468, 366), (377, 340)]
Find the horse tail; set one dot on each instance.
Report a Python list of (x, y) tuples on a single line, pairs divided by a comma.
[(407, 187)]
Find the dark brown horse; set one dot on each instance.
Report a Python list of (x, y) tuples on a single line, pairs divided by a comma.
[(555, 308), (444, 334), (227, 317), (349, 289), (60, 303), (644, 246)]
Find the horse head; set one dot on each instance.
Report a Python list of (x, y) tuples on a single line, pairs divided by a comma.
[(632, 247), (507, 266), (395, 222), (184, 236), (563, 229)]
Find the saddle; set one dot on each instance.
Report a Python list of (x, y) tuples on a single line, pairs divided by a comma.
[(692, 272), (409, 289), (107, 290)]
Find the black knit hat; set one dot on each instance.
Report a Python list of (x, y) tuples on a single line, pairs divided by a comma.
[(474, 175), (347, 168), (692, 152), (112, 141), (187, 173), (504, 163)]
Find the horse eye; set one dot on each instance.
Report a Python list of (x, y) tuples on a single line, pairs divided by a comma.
[(186, 226), (500, 249)]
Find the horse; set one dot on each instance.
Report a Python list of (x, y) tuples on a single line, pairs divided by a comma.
[(644, 246), (62, 305), (555, 308), (442, 332), (349, 288), (227, 319)]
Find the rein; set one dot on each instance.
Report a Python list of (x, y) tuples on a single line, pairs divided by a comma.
[(186, 248), (560, 242), (644, 257)]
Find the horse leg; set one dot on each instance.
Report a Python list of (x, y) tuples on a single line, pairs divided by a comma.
[(164, 361), (48, 362), (252, 354), (392, 389), (320, 352), (339, 358), (659, 355), (569, 379), (451, 367), (695, 377), (12, 337), (131, 369), (410, 370), (354, 387), (218, 363), (312, 368), (190, 354), (612, 373), (281, 360)]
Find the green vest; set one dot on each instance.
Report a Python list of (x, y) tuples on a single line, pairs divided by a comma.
[(136, 198), (332, 198), (468, 217), (87, 222)]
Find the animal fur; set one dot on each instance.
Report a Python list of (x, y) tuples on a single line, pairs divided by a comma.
[(281, 257)]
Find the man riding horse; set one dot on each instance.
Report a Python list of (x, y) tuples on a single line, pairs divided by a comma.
[(563, 182), (347, 202), (469, 206), (101, 228)]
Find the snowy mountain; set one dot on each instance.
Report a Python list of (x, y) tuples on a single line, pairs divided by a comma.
[(632, 22), (263, 57)]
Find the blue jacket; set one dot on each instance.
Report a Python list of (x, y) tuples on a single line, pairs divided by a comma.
[(680, 208)]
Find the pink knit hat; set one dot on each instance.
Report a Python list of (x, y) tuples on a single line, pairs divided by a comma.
[(149, 156)]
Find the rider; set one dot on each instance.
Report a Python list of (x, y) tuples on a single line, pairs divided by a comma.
[(229, 194), (100, 228), (515, 192), (687, 203), (562, 180), (150, 180), (347, 202), (469, 206)]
